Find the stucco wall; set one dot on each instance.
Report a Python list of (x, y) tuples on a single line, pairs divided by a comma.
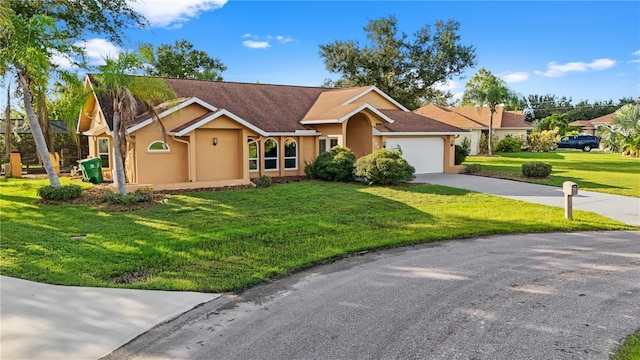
[(218, 162), (359, 135), (376, 101), (160, 167)]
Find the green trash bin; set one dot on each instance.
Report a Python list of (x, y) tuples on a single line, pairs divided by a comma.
[(92, 170)]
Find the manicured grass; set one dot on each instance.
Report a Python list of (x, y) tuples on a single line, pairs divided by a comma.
[(228, 240), (630, 350), (593, 171)]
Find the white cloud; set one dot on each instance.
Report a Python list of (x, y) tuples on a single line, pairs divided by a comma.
[(446, 86), (637, 53), (61, 60), (96, 50), (171, 13), (263, 42), (284, 39), (256, 44), (557, 70), (514, 77)]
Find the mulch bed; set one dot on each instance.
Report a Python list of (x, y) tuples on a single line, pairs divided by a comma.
[(93, 195)]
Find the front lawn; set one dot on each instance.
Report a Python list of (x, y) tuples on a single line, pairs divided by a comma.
[(630, 350), (593, 171), (228, 240)]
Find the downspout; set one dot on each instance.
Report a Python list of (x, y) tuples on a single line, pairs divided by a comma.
[(188, 155)]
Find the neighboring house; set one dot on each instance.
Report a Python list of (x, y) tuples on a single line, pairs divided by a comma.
[(591, 126), (225, 133), (476, 120)]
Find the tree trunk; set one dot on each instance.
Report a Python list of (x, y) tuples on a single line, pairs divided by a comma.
[(489, 138), (43, 119), (117, 154), (7, 124), (41, 144)]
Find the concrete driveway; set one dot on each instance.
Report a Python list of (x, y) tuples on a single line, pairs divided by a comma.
[(41, 321), (622, 208), (535, 296)]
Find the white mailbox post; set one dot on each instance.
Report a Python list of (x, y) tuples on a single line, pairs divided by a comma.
[(569, 188)]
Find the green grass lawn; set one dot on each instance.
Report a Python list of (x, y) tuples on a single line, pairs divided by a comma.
[(593, 171), (630, 350), (228, 240)]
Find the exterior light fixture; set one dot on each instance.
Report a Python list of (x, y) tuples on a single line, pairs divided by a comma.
[(215, 141)]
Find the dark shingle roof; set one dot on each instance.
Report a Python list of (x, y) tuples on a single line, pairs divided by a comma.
[(412, 122), (272, 108)]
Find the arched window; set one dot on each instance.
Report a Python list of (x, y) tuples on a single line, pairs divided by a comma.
[(253, 154), (270, 154), (290, 154), (158, 146)]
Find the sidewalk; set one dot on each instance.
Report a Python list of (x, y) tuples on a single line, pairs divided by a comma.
[(622, 208), (41, 321)]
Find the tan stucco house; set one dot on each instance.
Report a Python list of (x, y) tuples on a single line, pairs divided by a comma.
[(591, 126), (226, 133), (476, 121)]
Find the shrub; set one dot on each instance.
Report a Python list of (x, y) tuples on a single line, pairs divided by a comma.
[(384, 167), (466, 144), (333, 165), (472, 169), (461, 154), (536, 169), (509, 144), (262, 181), (62, 193), (139, 196), (484, 143), (543, 140)]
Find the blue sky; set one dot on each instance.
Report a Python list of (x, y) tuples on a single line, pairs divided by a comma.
[(583, 50)]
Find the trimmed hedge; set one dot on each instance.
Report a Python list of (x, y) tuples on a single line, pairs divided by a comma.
[(510, 144), (262, 181), (337, 164), (62, 193), (384, 167), (472, 169), (536, 169), (139, 196)]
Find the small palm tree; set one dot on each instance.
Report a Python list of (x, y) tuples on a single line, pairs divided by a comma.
[(624, 131), (131, 95), (485, 89)]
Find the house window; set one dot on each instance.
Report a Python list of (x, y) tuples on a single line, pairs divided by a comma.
[(290, 154), (253, 154), (103, 152), (270, 154), (158, 146), (327, 143)]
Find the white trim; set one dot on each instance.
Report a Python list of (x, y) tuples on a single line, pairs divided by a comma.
[(252, 140), (317, 122), (171, 110), (348, 115), (380, 92), (406, 133), (216, 115), (264, 156), (284, 154), (108, 153), (312, 133), (150, 150)]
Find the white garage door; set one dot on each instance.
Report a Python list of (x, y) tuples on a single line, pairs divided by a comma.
[(424, 154)]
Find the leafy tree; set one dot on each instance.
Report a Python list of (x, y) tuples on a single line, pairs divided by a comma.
[(555, 121), (485, 89), (403, 68), (181, 61), (74, 18), (541, 106), (33, 31), (27, 50), (127, 91)]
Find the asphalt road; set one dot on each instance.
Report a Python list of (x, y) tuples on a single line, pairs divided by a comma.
[(532, 296)]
